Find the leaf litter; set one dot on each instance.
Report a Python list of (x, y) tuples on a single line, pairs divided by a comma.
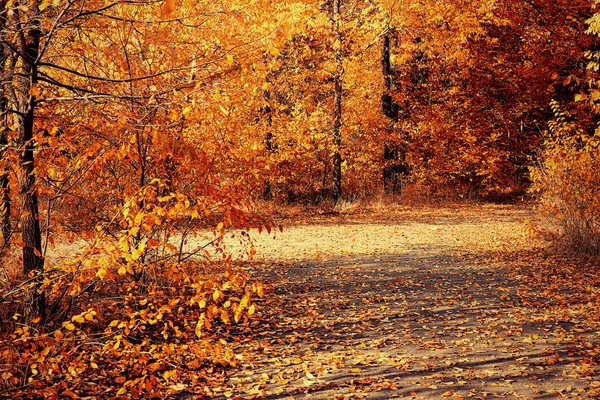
[(457, 302)]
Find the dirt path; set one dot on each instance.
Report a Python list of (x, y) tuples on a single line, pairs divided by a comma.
[(422, 304)]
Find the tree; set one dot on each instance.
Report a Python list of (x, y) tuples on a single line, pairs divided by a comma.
[(86, 87), (337, 113), (5, 201), (21, 34), (393, 153)]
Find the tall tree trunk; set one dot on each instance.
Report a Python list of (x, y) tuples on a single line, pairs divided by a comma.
[(392, 157), (33, 262), (337, 122), (268, 190), (390, 109), (5, 201)]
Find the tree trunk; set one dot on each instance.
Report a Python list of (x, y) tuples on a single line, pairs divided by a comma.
[(33, 262), (5, 227), (268, 191), (337, 122), (394, 166)]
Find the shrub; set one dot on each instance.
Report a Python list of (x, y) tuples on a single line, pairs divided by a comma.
[(567, 182)]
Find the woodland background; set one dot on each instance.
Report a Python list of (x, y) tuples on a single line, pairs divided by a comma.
[(133, 124)]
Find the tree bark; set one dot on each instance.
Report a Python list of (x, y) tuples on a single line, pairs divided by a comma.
[(5, 201), (338, 92), (268, 190), (394, 166), (33, 262)]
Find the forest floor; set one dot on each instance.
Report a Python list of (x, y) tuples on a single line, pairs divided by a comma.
[(425, 303)]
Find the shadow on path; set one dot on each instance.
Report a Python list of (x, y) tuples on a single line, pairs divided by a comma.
[(426, 324)]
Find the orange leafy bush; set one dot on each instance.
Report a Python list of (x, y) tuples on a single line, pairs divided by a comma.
[(134, 313), (568, 182)]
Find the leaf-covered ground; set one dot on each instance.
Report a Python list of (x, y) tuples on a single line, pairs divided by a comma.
[(424, 303)]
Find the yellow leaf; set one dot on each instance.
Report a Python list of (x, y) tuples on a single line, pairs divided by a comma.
[(220, 226), (89, 317), (78, 318), (134, 231), (199, 326), (229, 59), (142, 246), (216, 295), (224, 111), (245, 301), (138, 218), (135, 254), (448, 393), (43, 5), (122, 271), (260, 290), (274, 52), (123, 245), (69, 326), (252, 309), (101, 273)]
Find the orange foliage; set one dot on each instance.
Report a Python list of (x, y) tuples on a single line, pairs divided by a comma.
[(152, 122)]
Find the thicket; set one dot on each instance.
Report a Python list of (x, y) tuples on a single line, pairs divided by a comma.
[(566, 177)]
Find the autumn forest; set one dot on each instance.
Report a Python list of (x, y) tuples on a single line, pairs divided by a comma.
[(235, 198)]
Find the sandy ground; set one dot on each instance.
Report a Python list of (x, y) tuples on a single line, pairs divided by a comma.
[(411, 303)]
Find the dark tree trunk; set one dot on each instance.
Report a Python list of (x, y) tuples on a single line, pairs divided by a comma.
[(337, 124), (390, 109), (393, 156), (5, 201), (268, 191), (33, 262)]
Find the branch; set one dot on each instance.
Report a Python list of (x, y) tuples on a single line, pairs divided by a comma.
[(111, 80)]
